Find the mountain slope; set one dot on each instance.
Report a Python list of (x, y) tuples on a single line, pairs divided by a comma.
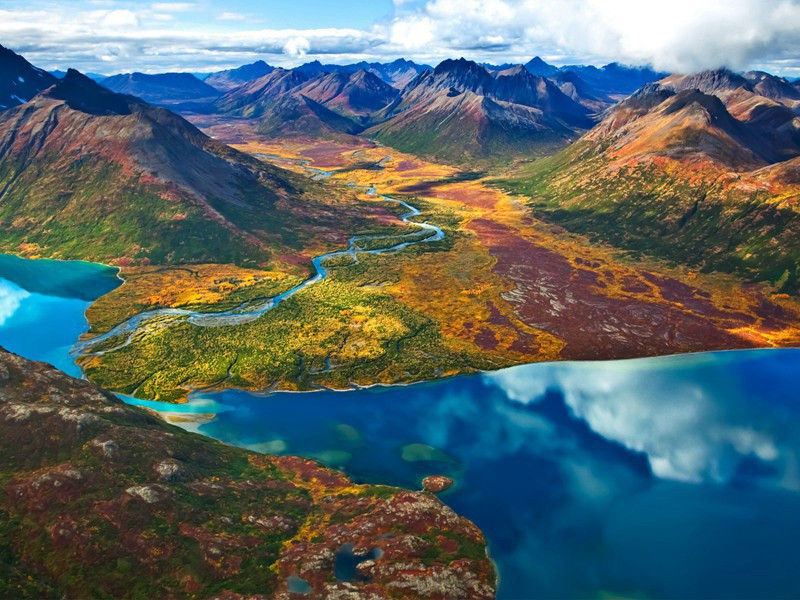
[(461, 111), (164, 88), (309, 103), (577, 89), (398, 73), (763, 103), (770, 86), (615, 80), (86, 173), (225, 81), (254, 98), (357, 94), (19, 80), (299, 115), (536, 66), (105, 500), (671, 172)]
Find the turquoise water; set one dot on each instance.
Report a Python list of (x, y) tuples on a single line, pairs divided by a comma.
[(42, 305), (676, 477)]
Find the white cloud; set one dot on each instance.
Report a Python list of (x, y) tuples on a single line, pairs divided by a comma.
[(297, 46), (173, 7), (118, 18), (686, 35), (413, 33), (11, 298)]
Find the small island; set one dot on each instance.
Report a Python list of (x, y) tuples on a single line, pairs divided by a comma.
[(436, 484)]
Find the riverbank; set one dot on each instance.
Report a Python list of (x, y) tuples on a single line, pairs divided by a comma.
[(498, 288), (572, 450)]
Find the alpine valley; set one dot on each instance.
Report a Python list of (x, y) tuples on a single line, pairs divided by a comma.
[(328, 227)]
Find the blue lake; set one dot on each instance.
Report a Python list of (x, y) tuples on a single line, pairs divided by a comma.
[(42, 305), (676, 477)]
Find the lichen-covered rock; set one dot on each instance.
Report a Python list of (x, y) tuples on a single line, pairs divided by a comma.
[(172, 470), (100, 499), (149, 493), (109, 448)]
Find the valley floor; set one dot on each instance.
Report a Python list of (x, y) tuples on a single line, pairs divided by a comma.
[(502, 288)]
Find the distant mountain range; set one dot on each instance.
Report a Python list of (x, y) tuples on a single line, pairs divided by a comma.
[(536, 66), (59, 74), (398, 73), (701, 169), (225, 81), (163, 88), (458, 111), (461, 110), (614, 79), (305, 102), (502, 110)]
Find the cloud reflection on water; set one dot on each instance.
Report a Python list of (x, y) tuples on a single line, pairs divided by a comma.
[(642, 478), (692, 418), (11, 297)]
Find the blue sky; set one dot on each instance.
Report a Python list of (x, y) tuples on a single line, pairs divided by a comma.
[(231, 14), (111, 36), (302, 14)]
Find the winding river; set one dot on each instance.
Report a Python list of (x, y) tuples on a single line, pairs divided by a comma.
[(675, 477), (254, 309)]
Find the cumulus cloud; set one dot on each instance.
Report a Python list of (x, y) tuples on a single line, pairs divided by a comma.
[(687, 35), (109, 41), (120, 18), (297, 46)]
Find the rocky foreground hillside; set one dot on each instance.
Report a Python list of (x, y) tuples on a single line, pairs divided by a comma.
[(105, 500)]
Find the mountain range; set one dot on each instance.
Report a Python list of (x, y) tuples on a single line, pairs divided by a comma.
[(699, 169), (461, 110), (59, 74), (404, 103), (164, 88), (87, 173), (306, 103), (398, 73), (458, 111), (224, 81)]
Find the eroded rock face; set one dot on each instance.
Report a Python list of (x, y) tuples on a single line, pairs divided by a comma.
[(103, 499)]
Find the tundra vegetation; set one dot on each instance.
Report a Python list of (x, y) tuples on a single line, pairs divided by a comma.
[(501, 288)]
